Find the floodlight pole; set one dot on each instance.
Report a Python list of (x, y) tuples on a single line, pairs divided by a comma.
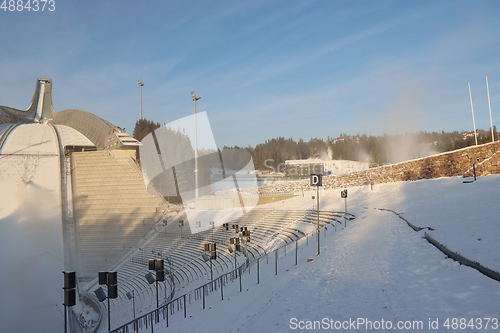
[(194, 98), (472, 108), (489, 106), (141, 85)]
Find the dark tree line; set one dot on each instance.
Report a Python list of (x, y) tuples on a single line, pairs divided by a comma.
[(143, 127), (376, 150)]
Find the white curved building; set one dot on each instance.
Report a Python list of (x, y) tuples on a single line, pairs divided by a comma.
[(72, 198)]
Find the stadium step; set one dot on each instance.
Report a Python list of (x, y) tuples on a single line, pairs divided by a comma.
[(110, 202)]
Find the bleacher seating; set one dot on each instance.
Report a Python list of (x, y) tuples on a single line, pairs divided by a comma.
[(184, 251), (113, 210)]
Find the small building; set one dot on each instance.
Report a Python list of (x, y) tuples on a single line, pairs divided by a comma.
[(303, 168)]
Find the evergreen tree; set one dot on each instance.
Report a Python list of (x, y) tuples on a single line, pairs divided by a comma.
[(143, 127)]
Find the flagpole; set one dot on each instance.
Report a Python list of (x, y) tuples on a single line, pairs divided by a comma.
[(489, 106), (472, 108)]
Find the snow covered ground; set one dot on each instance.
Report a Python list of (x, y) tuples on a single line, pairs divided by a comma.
[(377, 274), (374, 272)]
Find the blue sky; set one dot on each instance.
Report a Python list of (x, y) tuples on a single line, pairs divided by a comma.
[(264, 69)]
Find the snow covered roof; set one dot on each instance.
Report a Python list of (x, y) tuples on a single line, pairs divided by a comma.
[(71, 137)]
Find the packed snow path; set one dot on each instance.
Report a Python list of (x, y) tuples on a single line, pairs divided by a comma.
[(376, 269)]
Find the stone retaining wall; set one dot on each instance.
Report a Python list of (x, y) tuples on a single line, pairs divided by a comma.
[(454, 163)]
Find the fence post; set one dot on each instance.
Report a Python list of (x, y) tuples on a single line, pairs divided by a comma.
[(258, 271), (276, 262), (203, 297), (184, 305), (167, 313), (240, 281), (221, 290), (296, 250)]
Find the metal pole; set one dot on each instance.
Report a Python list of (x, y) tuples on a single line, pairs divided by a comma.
[(195, 149), (211, 271), (472, 108), (65, 319), (296, 250), (167, 313), (276, 262), (345, 214), (258, 270), (133, 301), (221, 290), (474, 166), (317, 198), (203, 297), (140, 85), (240, 281), (157, 302), (185, 314), (489, 106), (109, 317)]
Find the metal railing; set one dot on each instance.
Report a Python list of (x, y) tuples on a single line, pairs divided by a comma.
[(148, 320)]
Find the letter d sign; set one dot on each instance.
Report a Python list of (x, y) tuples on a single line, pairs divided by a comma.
[(316, 179)]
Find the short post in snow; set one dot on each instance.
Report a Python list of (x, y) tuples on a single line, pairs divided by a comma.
[(203, 290), (343, 194), (474, 166), (258, 278), (240, 279), (296, 250), (276, 262), (184, 301), (317, 180), (221, 289)]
